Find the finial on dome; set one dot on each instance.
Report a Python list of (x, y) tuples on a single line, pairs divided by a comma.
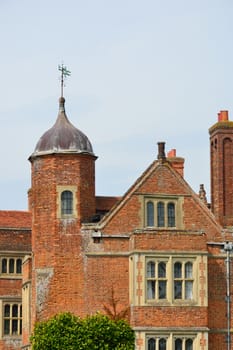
[(62, 104), (64, 74)]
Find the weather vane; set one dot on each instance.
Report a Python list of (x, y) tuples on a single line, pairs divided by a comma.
[(64, 74)]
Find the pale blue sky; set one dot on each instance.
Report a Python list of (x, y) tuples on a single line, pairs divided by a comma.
[(142, 72)]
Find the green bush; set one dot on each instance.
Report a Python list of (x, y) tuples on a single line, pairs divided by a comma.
[(66, 331)]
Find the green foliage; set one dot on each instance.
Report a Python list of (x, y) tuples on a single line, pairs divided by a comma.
[(68, 332)]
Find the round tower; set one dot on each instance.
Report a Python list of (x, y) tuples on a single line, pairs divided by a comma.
[(62, 197)]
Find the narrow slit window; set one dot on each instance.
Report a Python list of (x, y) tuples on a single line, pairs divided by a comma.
[(67, 203), (171, 219), (160, 214), (150, 214), (19, 266), (4, 265), (12, 265)]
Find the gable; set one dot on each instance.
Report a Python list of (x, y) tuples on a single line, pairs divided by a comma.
[(160, 183)]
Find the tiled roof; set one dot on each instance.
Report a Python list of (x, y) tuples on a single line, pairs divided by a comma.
[(106, 203), (15, 219)]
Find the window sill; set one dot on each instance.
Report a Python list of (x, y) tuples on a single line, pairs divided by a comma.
[(171, 303), (11, 277)]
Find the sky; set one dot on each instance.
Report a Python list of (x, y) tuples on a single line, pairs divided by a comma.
[(142, 71)]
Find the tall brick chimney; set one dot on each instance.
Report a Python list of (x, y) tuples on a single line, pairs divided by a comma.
[(161, 151), (221, 167)]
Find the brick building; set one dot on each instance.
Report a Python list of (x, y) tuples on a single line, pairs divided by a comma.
[(155, 255)]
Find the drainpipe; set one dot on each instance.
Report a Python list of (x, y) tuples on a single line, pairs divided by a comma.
[(228, 247)]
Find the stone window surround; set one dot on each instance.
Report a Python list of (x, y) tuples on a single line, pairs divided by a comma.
[(170, 261), (11, 301), (138, 278), (9, 274), (166, 199), (60, 189)]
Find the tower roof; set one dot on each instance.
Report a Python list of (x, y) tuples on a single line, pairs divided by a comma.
[(63, 137)]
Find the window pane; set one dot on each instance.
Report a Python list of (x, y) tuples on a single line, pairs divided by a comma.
[(160, 214), (162, 344), (12, 265), (189, 344), (177, 270), (6, 327), (14, 327), (7, 310), (162, 269), (171, 215), (19, 266), (150, 269), (178, 289), (150, 214), (162, 289), (4, 266), (178, 344), (189, 290), (188, 270), (67, 202), (151, 344), (151, 289), (15, 310)]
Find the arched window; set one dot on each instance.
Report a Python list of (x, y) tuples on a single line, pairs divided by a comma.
[(171, 219), (189, 344), (160, 214), (12, 265), (151, 344), (162, 344), (178, 344), (150, 214), (4, 265), (66, 203), (19, 266)]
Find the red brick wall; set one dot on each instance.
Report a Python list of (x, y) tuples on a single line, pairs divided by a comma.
[(57, 283)]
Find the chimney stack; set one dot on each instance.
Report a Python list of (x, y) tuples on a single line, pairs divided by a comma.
[(176, 162), (161, 151), (223, 116)]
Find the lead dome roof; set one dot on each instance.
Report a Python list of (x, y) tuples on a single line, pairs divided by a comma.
[(63, 137)]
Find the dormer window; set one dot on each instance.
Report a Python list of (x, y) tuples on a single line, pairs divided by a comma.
[(66, 203)]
